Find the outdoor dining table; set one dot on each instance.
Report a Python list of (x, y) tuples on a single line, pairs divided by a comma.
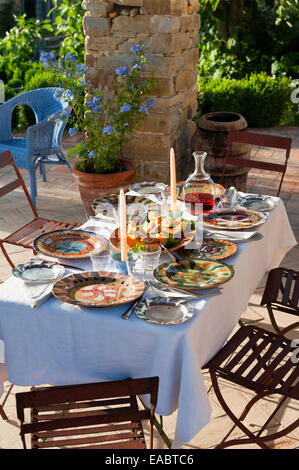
[(60, 343)]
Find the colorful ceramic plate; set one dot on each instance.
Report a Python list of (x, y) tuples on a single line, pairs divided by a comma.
[(213, 249), (113, 199), (98, 289), (148, 187), (233, 219), (115, 241), (256, 202), (38, 271), (68, 243), (220, 190), (164, 311), (193, 273)]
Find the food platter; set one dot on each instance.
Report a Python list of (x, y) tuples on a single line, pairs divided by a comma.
[(212, 249), (98, 289), (68, 244), (256, 202), (164, 311), (193, 273), (151, 243), (233, 219), (38, 271)]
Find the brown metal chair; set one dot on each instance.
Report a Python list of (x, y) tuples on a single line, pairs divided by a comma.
[(263, 362), (25, 235), (264, 140), (282, 294), (88, 416)]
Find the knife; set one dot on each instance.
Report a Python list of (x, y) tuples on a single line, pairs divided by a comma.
[(128, 312)]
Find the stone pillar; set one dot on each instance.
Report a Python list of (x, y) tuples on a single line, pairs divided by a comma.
[(169, 32)]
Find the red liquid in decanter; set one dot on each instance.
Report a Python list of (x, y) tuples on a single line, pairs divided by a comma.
[(200, 202)]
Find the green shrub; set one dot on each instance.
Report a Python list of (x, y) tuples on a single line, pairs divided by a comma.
[(34, 78), (262, 100)]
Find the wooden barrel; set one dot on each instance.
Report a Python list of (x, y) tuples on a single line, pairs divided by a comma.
[(211, 136)]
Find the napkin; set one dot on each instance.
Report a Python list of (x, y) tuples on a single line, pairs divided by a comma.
[(38, 293), (231, 235)]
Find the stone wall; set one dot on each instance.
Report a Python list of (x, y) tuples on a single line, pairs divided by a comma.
[(169, 32)]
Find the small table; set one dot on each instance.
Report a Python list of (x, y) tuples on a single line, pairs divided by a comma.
[(60, 343)]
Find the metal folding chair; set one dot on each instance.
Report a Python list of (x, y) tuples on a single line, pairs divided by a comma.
[(263, 362), (88, 416), (25, 235), (281, 294), (264, 140)]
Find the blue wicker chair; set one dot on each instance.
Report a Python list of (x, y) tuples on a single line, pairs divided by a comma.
[(42, 144)]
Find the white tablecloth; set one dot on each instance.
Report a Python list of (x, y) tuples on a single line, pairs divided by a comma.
[(60, 343)]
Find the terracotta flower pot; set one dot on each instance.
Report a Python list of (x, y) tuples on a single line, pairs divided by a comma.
[(93, 185)]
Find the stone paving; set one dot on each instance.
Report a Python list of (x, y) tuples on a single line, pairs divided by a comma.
[(59, 198)]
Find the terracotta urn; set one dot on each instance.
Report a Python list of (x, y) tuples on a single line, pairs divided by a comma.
[(211, 137), (92, 186)]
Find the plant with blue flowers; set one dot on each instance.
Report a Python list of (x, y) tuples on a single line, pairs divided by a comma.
[(105, 124)]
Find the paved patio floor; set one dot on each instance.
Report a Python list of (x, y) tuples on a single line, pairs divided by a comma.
[(59, 198)]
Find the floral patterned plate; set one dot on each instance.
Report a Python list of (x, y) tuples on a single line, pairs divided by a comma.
[(98, 289), (220, 190), (68, 243), (194, 273), (211, 249), (233, 219)]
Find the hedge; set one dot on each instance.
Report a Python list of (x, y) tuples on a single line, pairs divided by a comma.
[(264, 101)]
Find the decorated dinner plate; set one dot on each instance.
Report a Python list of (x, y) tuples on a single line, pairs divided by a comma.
[(233, 219), (193, 273), (115, 241), (213, 249), (113, 199), (98, 289), (164, 311), (69, 244), (257, 202), (38, 271), (220, 190), (148, 187)]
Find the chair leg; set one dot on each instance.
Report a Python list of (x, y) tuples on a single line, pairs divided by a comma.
[(42, 170), (62, 156), (33, 190), (2, 412), (252, 438), (6, 255)]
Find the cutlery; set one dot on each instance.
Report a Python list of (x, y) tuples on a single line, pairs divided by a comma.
[(128, 312), (210, 293), (55, 262), (173, 256)]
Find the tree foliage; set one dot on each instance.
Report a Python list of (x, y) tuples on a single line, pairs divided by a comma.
[(239, 37)]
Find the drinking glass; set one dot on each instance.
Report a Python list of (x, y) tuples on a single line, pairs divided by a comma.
[(149, 260), (100, 260)]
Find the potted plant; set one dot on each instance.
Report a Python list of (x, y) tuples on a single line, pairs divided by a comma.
[(105, 124)]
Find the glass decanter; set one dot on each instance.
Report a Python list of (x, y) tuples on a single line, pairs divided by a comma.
[(199, 190)]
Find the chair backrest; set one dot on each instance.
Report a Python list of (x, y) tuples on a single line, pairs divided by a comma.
[(282, 290), (264, 140), (44, 102), (5, 160), (70, 404)]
